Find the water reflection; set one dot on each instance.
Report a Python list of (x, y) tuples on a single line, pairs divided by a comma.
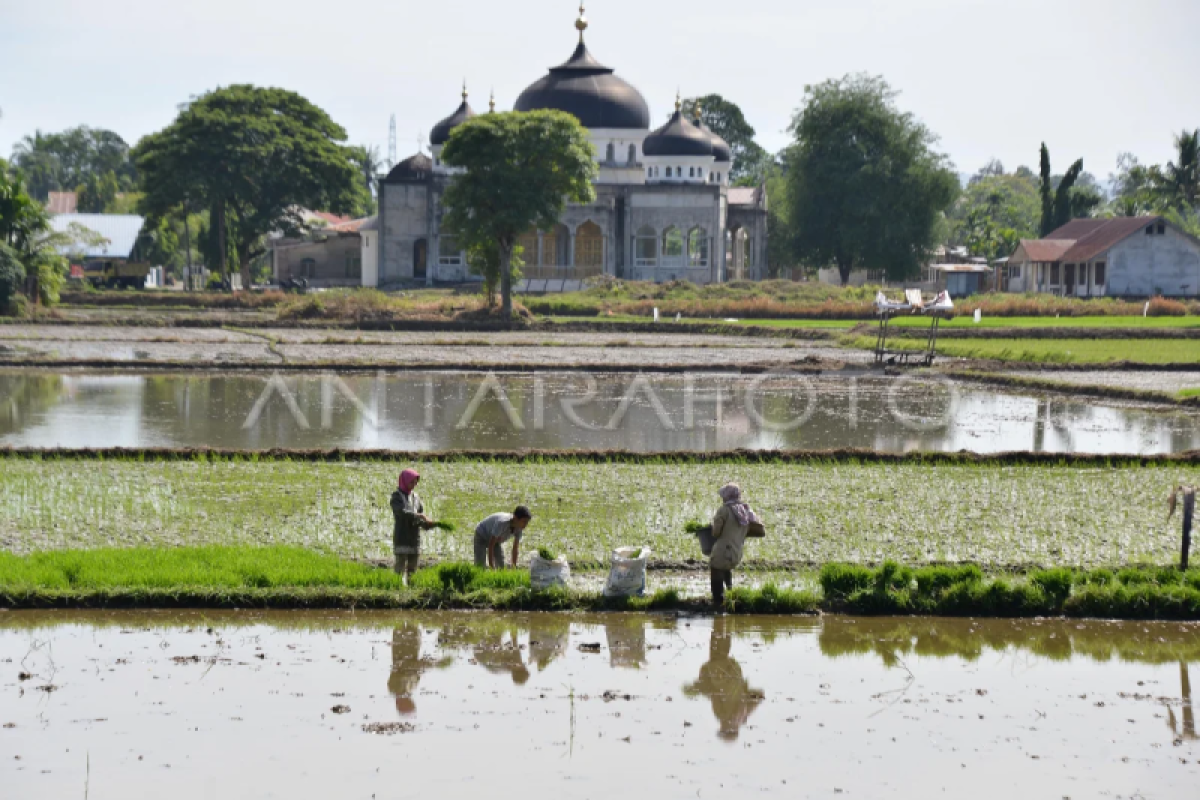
[(440, 411), (722, 682)]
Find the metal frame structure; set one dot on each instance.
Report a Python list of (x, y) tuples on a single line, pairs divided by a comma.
[(903, 357)]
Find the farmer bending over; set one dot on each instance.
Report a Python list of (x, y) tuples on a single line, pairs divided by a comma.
[(495, 531), (410, 521)]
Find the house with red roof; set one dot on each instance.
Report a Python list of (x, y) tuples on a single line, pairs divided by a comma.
[(1118, 257)]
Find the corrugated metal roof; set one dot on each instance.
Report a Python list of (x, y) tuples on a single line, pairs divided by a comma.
[(121, 231), (1046, 250), (743, 195), (1105, 236)]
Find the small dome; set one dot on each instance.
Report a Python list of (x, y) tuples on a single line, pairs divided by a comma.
[(441, 132), (678, 138), (591, 92), (721, 149), (414, 168)]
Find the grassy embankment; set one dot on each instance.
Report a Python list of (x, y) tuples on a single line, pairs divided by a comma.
[(1054, 351), (1002, 515), (631, 300), (292, 577)]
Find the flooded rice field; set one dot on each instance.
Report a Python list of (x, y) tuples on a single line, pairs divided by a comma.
[(426, 411), (198, 705)]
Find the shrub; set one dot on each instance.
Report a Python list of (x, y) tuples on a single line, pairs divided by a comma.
[(1056, 583), (1162, 307), (843, 580)]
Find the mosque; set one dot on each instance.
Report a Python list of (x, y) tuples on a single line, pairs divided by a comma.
[(664, 207)]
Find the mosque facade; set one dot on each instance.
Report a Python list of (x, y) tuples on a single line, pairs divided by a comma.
[(664, 207)]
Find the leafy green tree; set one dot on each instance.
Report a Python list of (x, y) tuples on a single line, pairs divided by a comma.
[(12, 276), (994, 213), (867, 189), (1136, 187), (520, 171), (726, 120), (97, 194), (254, 157), (64, 161)]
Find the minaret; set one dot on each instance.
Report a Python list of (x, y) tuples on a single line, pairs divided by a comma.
[(492, 102)]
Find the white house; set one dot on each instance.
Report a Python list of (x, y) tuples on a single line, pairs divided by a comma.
[(1121, 257)]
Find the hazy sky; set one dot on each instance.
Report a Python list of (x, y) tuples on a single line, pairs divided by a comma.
[(993, 78)]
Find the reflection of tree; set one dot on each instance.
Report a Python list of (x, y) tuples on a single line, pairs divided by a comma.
[(1189, 714), (24, 397), (408, 666), (722, 682), (893, 640)]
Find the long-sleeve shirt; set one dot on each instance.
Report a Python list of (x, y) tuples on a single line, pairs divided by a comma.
[(407, 510)]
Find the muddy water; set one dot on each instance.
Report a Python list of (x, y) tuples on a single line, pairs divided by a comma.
[(132, 705), (475, 410)]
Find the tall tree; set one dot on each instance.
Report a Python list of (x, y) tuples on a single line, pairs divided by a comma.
[(520, 170), (1135, 187), (726, 120), (1062, 199), (254, 157), (66, 160), (994, 213), (97, 193), (867, 188), (1183, 175)]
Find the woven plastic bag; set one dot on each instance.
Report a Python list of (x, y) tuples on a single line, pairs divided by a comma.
[(543, 574), (627, 574)]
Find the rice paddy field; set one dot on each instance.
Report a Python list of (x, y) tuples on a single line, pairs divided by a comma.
[(1060, 351), (995, 514)]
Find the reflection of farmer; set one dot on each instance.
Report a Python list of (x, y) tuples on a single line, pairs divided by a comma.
[(729, 527), (407, 666), (721, 681), (1189, 714)]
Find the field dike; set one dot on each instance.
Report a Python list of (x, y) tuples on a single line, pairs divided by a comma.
[(288, 577)]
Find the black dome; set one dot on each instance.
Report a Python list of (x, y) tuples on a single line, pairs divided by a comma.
[(413, 168), (678, 138), (441, 132), (591, 92), (720, 147)]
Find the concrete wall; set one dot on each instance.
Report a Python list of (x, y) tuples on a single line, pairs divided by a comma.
[(328, 258), (1144, 265), (370, 258), (403, 219)]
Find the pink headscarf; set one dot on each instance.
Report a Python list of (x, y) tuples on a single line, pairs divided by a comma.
[(732, 495), (408, 480)]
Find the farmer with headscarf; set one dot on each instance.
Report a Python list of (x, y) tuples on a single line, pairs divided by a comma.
[(410, 521), (729, 528)]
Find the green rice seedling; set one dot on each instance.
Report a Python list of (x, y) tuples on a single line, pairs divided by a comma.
[(448, 527), (1056, 583), (456, 577), (891, 577), (843, 580), (664, 600), (546, 554), (1156, 576), (932, 581), (1097, 577), (770, 599), (693, 527)]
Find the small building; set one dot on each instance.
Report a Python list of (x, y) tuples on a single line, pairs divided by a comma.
[(120, 232), (327, 257), (1119, 257), (62, 203)]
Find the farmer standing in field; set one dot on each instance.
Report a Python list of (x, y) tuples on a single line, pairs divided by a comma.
[(495, 531), (730, 525), (410, 521)]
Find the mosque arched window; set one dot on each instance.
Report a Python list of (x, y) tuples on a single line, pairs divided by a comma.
[(633, 154), (645, 247), (672, 247), (698, 247), (668, 172), (610, 153), (589, 246)]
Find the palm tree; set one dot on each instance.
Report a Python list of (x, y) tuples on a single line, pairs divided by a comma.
[(1183, 175)]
